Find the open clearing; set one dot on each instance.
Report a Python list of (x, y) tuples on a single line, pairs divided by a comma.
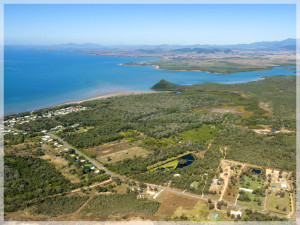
[(61, 165), (124, 154), (277, 204), (170, 202)]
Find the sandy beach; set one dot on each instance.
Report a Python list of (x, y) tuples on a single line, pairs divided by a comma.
[(122, 93)]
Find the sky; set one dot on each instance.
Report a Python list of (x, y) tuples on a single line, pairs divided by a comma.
[(125, 24)]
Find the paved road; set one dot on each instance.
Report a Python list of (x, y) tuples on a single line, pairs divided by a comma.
[(153, 185), (81, 154)]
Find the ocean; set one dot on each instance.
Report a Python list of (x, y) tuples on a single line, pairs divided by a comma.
[(36, 79)]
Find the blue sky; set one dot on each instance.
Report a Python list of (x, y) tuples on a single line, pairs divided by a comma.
[(148, 24)]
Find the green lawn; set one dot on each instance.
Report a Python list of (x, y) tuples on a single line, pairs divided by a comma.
[(199, 134), (252, 184), (273, 201), (253, 204), (172, 164)]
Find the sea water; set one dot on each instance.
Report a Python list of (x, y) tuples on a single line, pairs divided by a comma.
[(35, 79)]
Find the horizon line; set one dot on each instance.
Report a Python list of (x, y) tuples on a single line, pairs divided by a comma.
[(83, 43)]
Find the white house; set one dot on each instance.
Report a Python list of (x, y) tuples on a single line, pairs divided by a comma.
[(246, 190), (236, 213), (283, 186)]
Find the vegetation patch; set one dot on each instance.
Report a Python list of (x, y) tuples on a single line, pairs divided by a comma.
[(110, 205), (59, 205)]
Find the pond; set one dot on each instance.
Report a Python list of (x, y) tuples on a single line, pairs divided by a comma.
[(257, 171), (177, 163), (177, 92), (189, 160)]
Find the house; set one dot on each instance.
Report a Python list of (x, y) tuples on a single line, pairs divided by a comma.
[(215, 181), (236, 213), (43, 131), (176, 175), (283, 186), (141, 196), (246, 190)]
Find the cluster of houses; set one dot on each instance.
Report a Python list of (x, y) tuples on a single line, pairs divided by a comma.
[(26, 119), (19, 120), (85, 162), (46, 139), (64, 111), (5, 131)]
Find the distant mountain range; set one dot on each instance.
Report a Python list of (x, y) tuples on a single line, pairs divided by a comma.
[(287, 44)]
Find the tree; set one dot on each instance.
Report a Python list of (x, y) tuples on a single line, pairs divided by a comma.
[(228, 213), (183, 161)]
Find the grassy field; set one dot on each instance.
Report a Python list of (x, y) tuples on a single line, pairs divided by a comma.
[(198, 213), (121, 155), (249, 183), (253, 204), (121, 189), (173, 164), (170, 202), (273, 201), (204, 133), (164, 163)]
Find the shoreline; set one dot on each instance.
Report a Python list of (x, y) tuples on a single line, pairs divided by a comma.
[(113, 94), (158, 68)]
